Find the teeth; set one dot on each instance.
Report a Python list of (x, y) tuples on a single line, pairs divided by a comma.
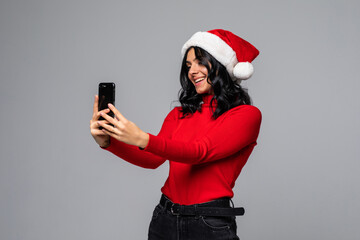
[(199, 80)]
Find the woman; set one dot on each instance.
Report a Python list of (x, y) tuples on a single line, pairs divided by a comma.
[(207, 140)]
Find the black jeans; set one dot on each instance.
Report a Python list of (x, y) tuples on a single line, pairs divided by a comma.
[(166, 226)]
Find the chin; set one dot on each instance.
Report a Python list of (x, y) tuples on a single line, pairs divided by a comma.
[(203, 92)]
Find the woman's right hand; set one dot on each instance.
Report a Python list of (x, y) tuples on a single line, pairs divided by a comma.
[(100, 137)]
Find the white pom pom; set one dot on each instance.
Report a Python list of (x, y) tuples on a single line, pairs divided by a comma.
[(243, 70)]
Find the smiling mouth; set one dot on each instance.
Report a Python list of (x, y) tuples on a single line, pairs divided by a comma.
[(198, 81)]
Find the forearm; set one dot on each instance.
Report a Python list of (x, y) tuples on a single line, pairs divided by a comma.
[(134, 155), (239, 130)]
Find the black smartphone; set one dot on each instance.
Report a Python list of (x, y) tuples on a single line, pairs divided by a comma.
[(106, 96)]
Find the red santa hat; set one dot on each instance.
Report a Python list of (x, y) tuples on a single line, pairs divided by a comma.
[(233, 52)]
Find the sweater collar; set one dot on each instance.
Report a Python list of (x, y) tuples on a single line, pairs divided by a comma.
[(206, 98)]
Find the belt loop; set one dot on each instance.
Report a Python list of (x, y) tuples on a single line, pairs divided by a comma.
[(174, 212), (232, 203), (168, 203)]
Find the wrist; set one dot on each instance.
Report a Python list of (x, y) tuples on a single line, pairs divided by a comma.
[(105, 144), (144, 140)]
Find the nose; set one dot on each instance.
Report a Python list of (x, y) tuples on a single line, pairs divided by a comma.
[(194, 69)]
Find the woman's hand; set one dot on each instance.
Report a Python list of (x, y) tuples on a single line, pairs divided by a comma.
[(100, 137), (123, 130)]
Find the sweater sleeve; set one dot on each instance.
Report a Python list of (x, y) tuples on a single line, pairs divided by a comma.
[(134, 155), (239, 129)]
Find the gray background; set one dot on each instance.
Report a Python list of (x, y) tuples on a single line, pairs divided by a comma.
[(56, 183)]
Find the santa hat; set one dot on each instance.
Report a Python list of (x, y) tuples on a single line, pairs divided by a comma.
[(233, 52)]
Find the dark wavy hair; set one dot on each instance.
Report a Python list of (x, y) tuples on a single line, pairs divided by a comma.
[(228, 93)]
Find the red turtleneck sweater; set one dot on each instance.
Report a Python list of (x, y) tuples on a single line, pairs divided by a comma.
[(205, 155)]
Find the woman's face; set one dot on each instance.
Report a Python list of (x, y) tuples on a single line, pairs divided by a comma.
[(198, 74)]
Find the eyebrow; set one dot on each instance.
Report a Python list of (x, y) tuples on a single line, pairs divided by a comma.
[(193, 60)]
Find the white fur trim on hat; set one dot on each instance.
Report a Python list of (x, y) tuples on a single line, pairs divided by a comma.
[(216, 47), (243, 70)]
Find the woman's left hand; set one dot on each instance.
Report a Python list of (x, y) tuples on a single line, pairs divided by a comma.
[(124, 130)]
